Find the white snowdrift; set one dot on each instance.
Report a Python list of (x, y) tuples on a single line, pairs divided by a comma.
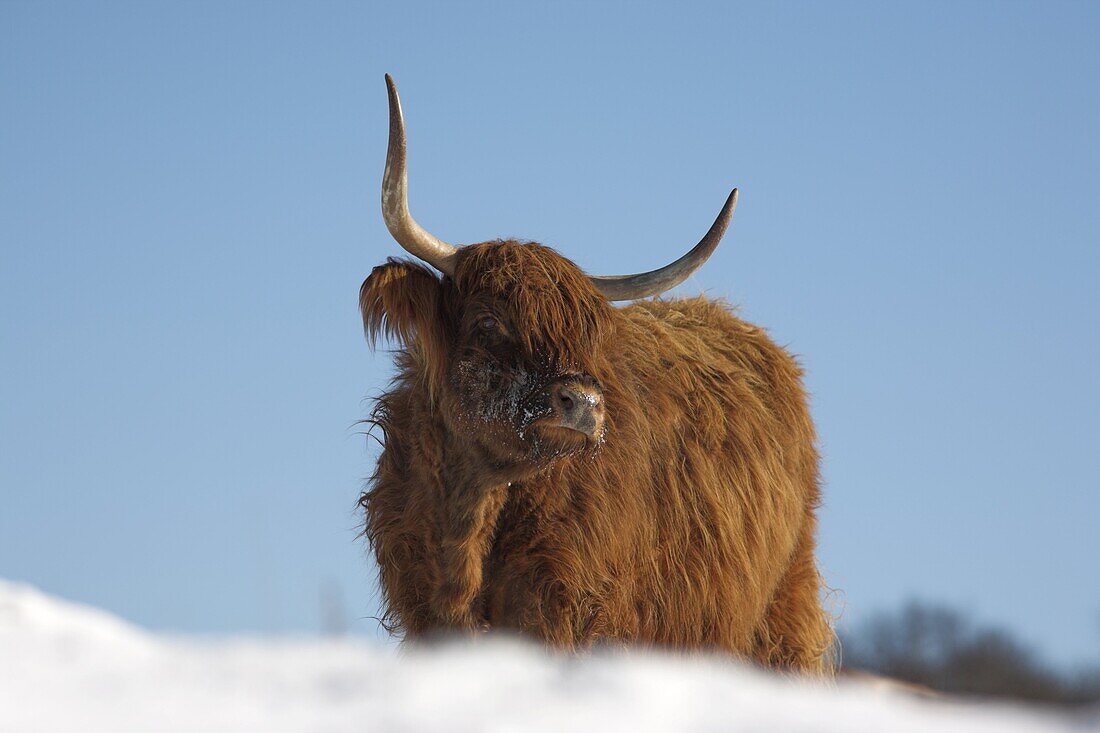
[(65, 667)]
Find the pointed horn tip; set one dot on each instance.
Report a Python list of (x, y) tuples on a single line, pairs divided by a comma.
[(725, 216), (731, 202), (722, 221)]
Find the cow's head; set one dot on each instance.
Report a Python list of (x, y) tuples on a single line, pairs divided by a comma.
[(510, 342)]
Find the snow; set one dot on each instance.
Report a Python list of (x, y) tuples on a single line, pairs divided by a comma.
[(66, 667)]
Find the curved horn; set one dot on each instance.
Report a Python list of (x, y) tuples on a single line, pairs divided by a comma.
[(395, 197), (642, 285)]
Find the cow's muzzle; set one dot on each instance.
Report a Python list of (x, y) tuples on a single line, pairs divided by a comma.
[(576, 404)]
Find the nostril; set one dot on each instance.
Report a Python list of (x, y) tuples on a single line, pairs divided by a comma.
[(566, 401), (577, 407)]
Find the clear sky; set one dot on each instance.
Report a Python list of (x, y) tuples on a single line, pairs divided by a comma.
[(189, 202)]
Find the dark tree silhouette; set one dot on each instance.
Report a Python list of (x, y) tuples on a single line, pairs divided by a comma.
[(941, 649)]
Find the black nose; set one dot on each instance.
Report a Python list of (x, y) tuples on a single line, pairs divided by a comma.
[(578, 407)]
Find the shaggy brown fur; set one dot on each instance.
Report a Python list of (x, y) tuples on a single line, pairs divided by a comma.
[(689, 525)]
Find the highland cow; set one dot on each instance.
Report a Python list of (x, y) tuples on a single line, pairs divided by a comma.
[(583, 473)]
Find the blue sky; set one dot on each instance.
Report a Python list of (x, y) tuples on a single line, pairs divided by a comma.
[(189, 202)]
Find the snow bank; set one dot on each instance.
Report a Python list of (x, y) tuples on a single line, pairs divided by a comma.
[(65, 667)]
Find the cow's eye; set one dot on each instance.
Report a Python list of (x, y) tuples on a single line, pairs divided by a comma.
[(488, 323)]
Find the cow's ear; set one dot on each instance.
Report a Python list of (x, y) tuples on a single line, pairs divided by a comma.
[(404, 300)]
